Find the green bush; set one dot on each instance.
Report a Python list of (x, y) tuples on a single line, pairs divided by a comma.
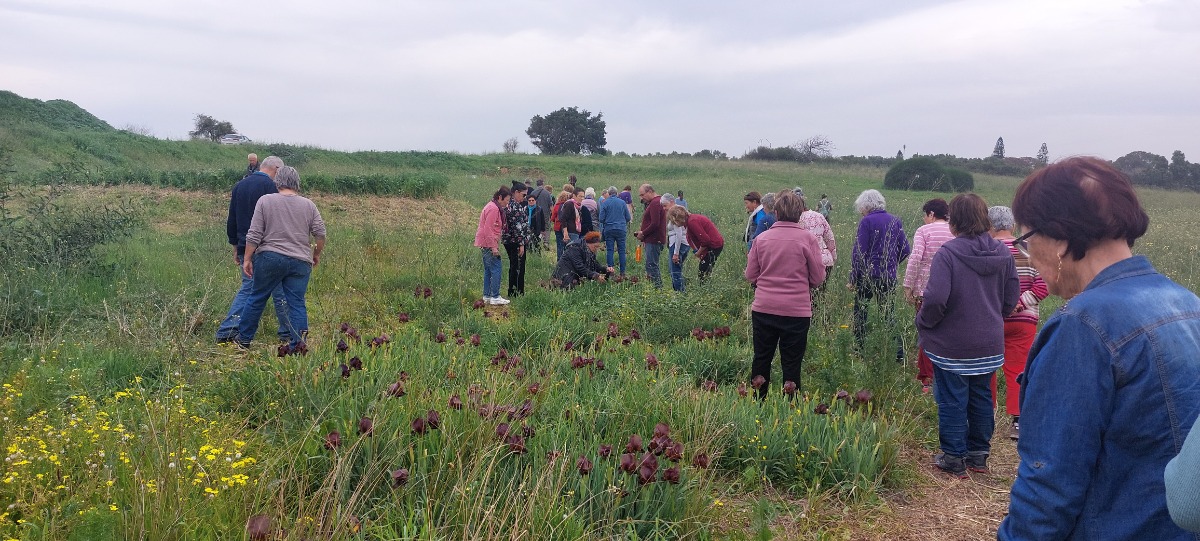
[(918, 174), (960, 181)]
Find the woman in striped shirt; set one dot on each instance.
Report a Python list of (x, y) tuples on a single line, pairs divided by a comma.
[(1020, 327), (926, 241)]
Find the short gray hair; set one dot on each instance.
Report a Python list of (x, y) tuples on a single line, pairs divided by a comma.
[(271, 162), (799, 191), (612, 190), (1001, 218), (768, 202), (667, 198), (870, 200), (287, 177)]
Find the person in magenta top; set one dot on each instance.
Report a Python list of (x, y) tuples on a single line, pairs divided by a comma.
[(487, 239), (783, 265), (926, 241), (702, 236)]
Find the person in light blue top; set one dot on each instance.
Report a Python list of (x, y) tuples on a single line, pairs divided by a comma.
[(767, 219), (1183, 483), (614, 224)]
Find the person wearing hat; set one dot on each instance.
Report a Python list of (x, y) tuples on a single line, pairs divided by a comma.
[(545, 200), (517, 238)]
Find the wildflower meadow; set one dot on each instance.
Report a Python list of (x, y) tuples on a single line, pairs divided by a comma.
[(614, 411)]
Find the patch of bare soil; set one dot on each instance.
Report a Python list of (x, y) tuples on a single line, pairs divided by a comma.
[(938, 507)]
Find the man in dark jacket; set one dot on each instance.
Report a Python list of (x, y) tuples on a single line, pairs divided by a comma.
[(251, 165), (241, 209), (578, 262)]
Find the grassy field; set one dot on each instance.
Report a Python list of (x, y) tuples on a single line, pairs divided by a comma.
[(122, 420)]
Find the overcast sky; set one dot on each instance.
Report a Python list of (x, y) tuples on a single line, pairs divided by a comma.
[(1101, 77)]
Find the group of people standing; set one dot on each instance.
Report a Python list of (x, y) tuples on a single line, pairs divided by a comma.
[(521, 218)]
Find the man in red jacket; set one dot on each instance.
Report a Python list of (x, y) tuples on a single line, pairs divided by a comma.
[(653, 233)]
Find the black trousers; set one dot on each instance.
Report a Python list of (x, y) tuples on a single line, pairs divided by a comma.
[(789, 335), (516, 269), (707, 262)]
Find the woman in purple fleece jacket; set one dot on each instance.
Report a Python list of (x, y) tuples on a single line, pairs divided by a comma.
[(972, 285)]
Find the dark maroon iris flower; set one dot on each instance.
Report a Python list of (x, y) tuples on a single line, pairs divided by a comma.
[(700, 460), (396, 389), (671, 475), (366, 426), (456, 402), (634, 445), (399, 477), (333, 440), (583, 465), (821, 409), (758, 381), (605, 451), (418, 426), (789, 388)]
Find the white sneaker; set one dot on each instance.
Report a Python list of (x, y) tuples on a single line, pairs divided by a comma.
[(488, 300), (500, 300)]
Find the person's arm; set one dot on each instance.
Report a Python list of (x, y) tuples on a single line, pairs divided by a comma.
[(858, 253), (1182, 477), (901, 239), (317, 231), (231, 223), (1012, 289), (830, 243), (753, 267), (915, 268), (937, 293), (254, 236), (1068, 364), (816, 269)]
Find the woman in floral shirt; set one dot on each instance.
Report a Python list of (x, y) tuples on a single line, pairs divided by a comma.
[(517, 238)]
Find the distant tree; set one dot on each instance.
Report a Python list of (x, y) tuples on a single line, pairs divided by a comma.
[(210, 128), (1043, 156), (510, 145), (900, 155), (1179, 169), (711, 155), (813, 148), (1144, 168), (568, 131), (998, 152)]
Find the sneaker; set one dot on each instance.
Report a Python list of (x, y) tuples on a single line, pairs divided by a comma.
[(488, 300), (1015, 431), (500, 301), (977, 462), (953, 465)]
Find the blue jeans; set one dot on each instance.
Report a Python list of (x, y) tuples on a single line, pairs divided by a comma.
[(559, 243), (492, 268), (275, 272), (228, 329), (965, 416), (615, 237), (677, 269), (651, 253)]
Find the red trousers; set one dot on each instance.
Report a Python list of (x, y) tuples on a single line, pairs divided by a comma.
[(1018, 338)]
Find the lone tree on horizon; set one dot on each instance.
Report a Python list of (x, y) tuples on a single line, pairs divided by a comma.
[(568, 131), (998, 152), (1043, 155), (210, 128)]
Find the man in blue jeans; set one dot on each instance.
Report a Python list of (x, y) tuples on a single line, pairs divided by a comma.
[(653, 232), (241, 209), (614, 224)]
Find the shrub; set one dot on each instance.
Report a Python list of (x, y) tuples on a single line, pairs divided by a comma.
[(918, 173), (960, 181)]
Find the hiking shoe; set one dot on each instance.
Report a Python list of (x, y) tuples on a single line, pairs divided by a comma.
[(977, 462), (953, 465), (1014, 431), (500, 301)]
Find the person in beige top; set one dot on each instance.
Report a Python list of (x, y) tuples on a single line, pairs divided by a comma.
[(279, 254)]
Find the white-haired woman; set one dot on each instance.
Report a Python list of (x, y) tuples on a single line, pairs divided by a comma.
[(879, 247)]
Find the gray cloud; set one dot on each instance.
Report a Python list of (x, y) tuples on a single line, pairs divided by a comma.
[(1101, 77)]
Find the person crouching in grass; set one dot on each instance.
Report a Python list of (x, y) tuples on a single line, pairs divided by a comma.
[(578, 262)]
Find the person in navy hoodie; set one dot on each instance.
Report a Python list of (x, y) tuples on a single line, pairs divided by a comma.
[(241, 209)]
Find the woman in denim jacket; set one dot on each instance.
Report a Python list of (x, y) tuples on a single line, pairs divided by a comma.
[(1112, 386)]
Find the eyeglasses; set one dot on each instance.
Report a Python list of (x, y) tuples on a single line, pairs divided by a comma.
[(1022, 242)]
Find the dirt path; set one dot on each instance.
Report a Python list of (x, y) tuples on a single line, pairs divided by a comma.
[(940, 508)]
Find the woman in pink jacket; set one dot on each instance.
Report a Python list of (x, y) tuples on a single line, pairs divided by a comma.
[(487, 239), (783, 266)]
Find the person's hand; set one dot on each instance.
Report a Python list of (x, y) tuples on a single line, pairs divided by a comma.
[(850, 286), (600, 278), (496, 252), (248, 268), (637, 235), (909, 297), (521, 250), (235, 257), (316, 258), (675, 258), (610, 270)]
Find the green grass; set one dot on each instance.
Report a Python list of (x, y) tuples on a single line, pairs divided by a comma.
[(114, 404)]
